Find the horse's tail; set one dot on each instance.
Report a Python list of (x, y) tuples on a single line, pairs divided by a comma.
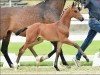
[(20, 31)]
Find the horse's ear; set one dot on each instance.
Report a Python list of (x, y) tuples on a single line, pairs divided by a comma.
[(73, 4)]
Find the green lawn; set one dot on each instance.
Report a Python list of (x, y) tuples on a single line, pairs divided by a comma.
[(46, 47), (50, 63)]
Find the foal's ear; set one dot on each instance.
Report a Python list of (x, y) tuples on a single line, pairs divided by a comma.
[(73, 4)]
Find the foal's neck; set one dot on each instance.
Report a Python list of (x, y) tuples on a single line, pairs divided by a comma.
[(66, 19)]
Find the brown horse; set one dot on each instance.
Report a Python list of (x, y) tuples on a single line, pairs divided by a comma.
[(15, 18), (57, 31)]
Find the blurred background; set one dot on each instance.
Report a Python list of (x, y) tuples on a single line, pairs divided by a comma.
[(80, 28)]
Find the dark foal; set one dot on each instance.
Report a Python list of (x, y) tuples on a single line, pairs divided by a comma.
[(12, 19)]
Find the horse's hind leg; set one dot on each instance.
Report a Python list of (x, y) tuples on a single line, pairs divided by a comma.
[(61, 53), (39, 40), (67, 41), (4, 48), (32, 50), (50, 54)]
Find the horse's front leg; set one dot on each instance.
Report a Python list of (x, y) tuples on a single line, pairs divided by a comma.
[(57, 55), (21, 51), (4, 48)]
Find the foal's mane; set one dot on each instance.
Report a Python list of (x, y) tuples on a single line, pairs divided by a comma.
[(46, 0), (68, 7), (64, 11)]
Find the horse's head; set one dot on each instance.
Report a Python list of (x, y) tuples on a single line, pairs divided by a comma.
[(75, 12)]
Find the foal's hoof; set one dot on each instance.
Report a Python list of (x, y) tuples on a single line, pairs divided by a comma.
[(44, 58), (16, 66), (39, 59), (57, 68)]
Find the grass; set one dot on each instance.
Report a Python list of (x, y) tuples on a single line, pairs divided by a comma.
[(46, 47), (49, 63)]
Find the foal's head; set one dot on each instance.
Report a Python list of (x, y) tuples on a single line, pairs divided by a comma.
[(74, 12)]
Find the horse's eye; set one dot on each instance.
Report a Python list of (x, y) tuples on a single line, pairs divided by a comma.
[(75, 11)]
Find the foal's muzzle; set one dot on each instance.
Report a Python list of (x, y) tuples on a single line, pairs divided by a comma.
[(81, 19)]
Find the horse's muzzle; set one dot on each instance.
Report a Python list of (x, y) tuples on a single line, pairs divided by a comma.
[(81, 19)]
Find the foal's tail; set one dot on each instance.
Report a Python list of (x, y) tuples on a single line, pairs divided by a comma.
[(20, 31)]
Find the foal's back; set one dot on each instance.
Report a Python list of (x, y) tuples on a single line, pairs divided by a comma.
[(47, 31)]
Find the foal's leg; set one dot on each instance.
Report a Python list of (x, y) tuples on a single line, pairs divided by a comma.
[(21, 51), (67, 41), (57, 55), (61, 53), (19, 55), (32, 50), (52, 52), (39, 40)]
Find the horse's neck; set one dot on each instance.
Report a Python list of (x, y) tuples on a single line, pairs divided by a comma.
[(66, 19), (57, 4)]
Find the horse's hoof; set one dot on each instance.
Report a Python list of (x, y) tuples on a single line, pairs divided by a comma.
[(16, 66), (64, 63), (37, 64), (41, 58), (44, 58), (12, 66), (57, 69), (87, 60)]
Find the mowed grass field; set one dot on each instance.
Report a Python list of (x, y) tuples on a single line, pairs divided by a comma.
[(46, 47)]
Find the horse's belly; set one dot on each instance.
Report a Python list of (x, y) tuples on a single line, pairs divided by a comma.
[(50, 36)]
